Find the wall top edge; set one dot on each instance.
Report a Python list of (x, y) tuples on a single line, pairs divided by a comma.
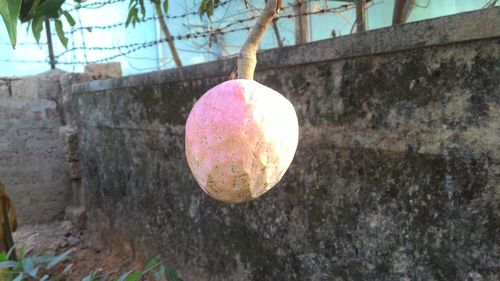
[(463, 27)]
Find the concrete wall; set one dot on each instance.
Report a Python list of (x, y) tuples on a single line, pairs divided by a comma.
[(33, 162), (396, 176)]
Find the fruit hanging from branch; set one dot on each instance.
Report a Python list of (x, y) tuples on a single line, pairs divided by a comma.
[(241, 136)]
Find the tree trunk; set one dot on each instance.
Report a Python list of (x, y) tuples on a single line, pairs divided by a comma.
[(360, 16), (167, 34), (402, 10), (277, 34), (301, 23), (247, 59)]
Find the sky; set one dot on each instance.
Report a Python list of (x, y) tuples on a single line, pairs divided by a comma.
[(30, 58)]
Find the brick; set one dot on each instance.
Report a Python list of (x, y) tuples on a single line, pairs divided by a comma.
[(37, 115), (51, 114), (7, 114), (104, 70)]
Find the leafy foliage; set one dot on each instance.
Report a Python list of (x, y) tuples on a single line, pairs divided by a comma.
[(137, 10), (30, 267), (60, 33), (35, 13), (207, 7), (39, 268), (133, 14), (10, 9)]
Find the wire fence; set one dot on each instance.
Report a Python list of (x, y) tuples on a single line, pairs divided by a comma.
[(132, 47), (188, 26), (144, 48)]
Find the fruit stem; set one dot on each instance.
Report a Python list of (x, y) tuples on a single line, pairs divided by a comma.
[(247, 59)]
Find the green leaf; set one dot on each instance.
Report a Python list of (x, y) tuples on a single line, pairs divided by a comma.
[(29, 267), (160, 272), (8, 264), (165, 6), (10, 9), (65, 255), (3, 257), (33, 273), (129, 17), (136, 275), (132, 17), (123, 276), (153, 262), (207, 7), (37, 27), (27, 264), (28, 8), (19, 277), (21, 253), (143, 9), (130, 276), (172, 275), (90, 277), (43, 259), (49, 8), (132, 3), (69, 18), (60, 33)]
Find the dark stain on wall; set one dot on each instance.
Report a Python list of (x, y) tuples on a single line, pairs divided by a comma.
[(395, 177)]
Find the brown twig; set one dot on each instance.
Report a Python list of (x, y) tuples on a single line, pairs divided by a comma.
[(167, 34), (247, 59)]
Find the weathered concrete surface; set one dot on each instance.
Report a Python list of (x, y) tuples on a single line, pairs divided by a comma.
[(396, 176), (33, 160), (31, 155), (75, 207), (104, 70)]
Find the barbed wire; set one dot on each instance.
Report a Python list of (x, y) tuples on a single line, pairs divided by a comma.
[(127, 49), (95, 5), (184, 15), (24, 44), (138, 46), (147, 19), (198, 34), (24, 61), (133, 47), (342, 8)]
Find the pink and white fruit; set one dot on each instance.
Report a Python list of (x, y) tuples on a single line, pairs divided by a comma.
[(241, 137)]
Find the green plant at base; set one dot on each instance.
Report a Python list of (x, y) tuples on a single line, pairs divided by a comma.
[(155, 267), (30, 267), (41, 267)]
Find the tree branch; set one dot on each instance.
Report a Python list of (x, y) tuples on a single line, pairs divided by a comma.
[(277, 34), (167, 34), (402, 10), (360, 16), (247, 59)]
